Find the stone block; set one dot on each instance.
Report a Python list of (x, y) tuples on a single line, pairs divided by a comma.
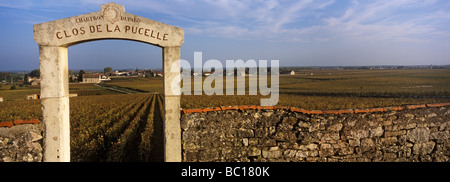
[(423, 148), (367, 143), (404, 152), (358, 134), (254, 152), (261, 132), (444, 126), (388, 141), (326, 152), (308, 153), (245, 142), (267, 142), (285, 136), (418, 135), (431, 115), (376, 132), (345, 151), (325, 146), (271, 154), (329, 136), (290, 153), (387, 122), (253, 141), (394, 133), (310, 146), (440, 135), (245, 133), (409, 115), (289, 120), (303, 124), (314, 126), (340, 144), (284, 127), (354, 143), (336, 127)]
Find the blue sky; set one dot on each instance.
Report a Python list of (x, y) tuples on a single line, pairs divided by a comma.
[(298, 33)]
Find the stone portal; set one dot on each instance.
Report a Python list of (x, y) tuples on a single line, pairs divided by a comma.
[(111, 22)]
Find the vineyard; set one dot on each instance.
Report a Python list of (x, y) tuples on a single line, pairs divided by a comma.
[(126, 127), (107, 125), (82, 89), (321, 89)]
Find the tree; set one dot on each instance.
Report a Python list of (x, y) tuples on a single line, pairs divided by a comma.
[(80, 75), (25, 78), (5, 75), (107, 70), (35, 73)]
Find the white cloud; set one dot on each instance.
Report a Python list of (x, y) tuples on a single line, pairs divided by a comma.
[(276, 20), (386, 21), (359, 21), (325, 4)]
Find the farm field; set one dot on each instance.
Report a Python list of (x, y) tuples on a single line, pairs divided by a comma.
[(126, 128), (323, 89), (328, 89), (82, 89), (106, 126), (308, 89)]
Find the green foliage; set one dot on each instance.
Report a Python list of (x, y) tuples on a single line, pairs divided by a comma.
[(80, 75), (35, 73), (107, 70)]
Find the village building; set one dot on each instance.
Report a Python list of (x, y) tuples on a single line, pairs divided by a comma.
[(292, 72), (157, 74), (33, 96), (121, 73), (91, 78), (34, 81), (73, 78), (104, 78)]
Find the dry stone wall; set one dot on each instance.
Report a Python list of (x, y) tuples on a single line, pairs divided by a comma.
[(409, 133), (252, 133), (21, 143)]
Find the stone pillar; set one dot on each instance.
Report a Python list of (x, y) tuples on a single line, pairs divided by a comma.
[(55, 103), (172, 128)]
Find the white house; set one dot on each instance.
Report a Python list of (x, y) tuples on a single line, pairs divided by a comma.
[(292, 72), (91, 78), (104, 78)]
